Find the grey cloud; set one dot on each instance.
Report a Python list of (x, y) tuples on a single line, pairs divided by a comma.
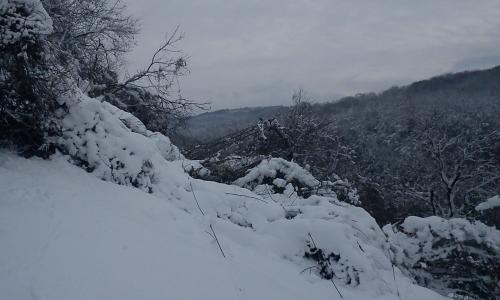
[(256, 52)]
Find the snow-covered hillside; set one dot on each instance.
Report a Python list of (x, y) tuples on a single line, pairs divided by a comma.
[(67, 234)]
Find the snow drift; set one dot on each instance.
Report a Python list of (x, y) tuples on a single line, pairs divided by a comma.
[(136, 226)]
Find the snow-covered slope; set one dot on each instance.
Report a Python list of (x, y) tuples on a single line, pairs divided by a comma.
[(67, 234)]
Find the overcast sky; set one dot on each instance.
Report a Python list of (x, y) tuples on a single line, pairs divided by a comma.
[(256, 52)]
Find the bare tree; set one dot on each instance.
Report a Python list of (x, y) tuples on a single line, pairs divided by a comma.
[(161, 76), (92, 35), (463, 160), (91, 38)]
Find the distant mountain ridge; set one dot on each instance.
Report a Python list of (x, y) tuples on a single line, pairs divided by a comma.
[(212, 125)]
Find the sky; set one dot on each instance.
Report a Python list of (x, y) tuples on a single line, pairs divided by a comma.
[(257, 52)]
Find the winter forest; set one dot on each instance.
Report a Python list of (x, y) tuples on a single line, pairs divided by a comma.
[(115, 185)]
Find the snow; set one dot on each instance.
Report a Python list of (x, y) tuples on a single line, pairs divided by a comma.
[(489, 203), (67, 234), (270, 168), (16, 26)]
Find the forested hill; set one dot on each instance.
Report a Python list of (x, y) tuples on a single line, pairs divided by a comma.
[(458, 88), (465, 87)]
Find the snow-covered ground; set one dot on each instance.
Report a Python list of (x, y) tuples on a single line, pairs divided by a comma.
[(67, 234)]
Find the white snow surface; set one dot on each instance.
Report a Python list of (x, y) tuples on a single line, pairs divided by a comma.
[(67, 234), (489, 203), (270, 167)]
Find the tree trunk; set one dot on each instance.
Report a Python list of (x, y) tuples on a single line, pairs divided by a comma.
[(449, 197), (431, 197)]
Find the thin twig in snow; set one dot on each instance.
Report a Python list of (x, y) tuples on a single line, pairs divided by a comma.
[(360, 246), (211, 227), (296, 197), (309, 268), (395, 283), (269, 193), (195, 199), (312, 240), (217, 240), (248, 197), (342, 297), (210, 234)]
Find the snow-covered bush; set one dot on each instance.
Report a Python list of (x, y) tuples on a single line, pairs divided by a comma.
[(278, 173), (23, 21), (29, 75), (226, 170), (111, 143), (489, 211), (453, 256), (490, 203)]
